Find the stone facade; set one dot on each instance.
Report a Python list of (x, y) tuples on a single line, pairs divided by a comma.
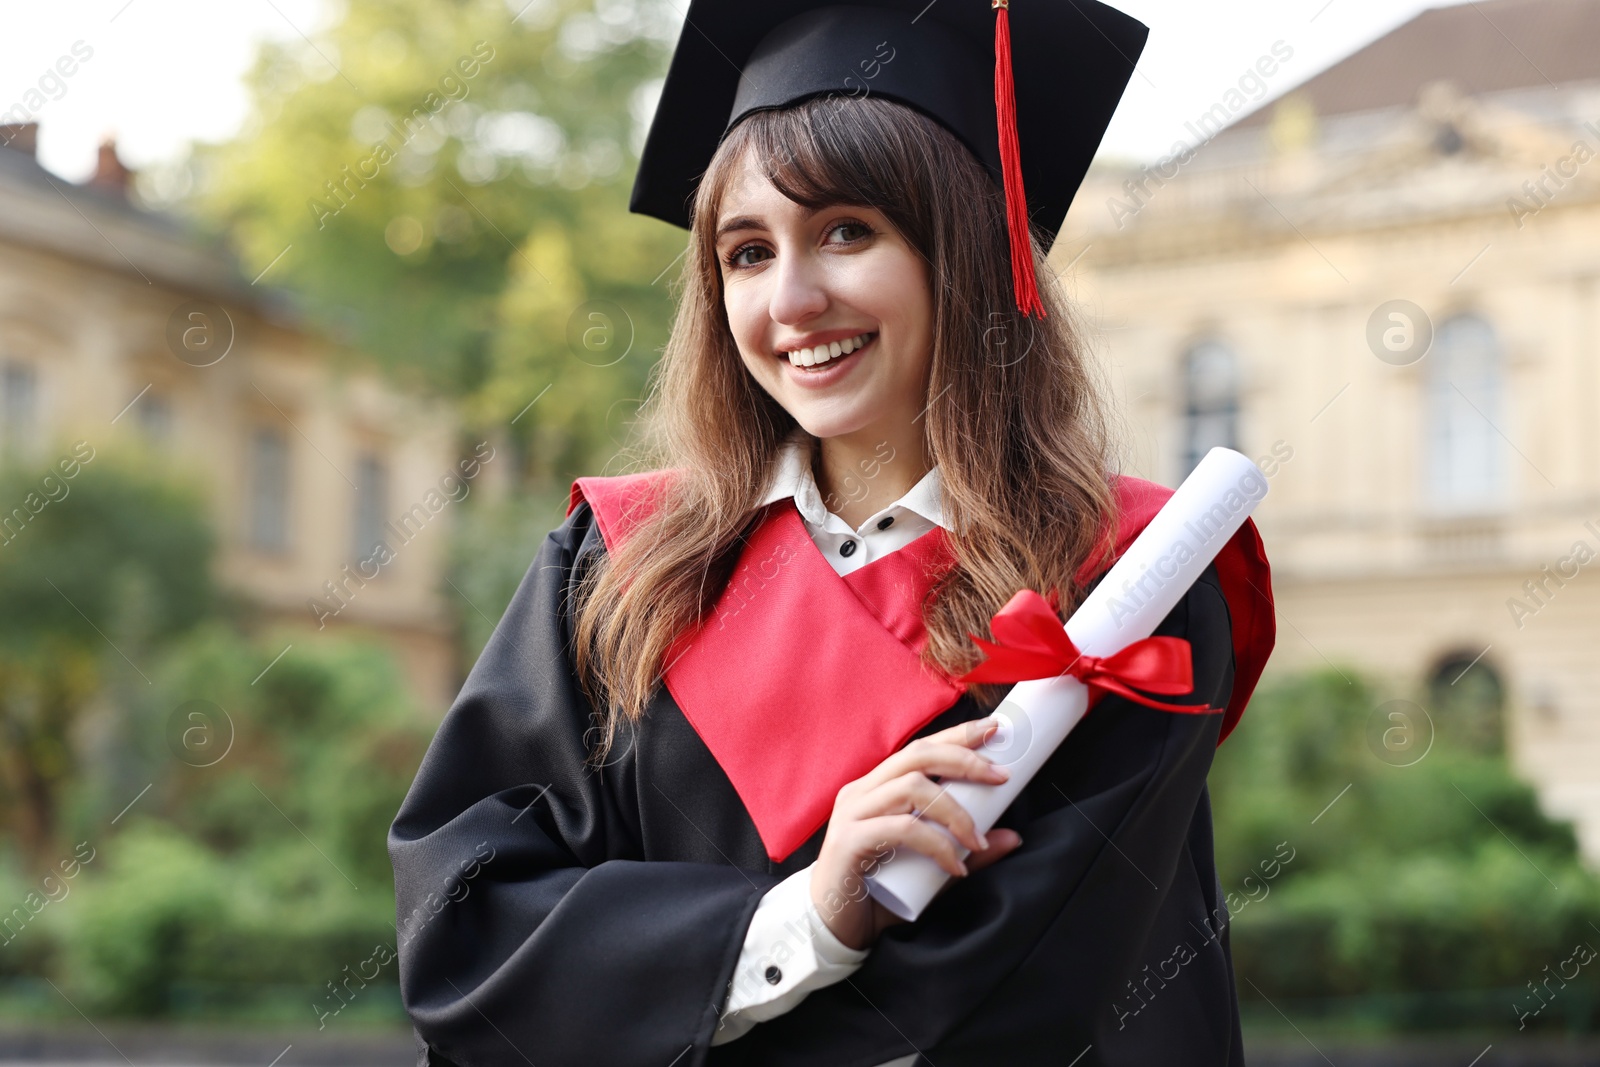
[(1396, 306), (121, 329)]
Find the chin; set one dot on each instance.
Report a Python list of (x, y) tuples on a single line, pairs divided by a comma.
[(824, 426)]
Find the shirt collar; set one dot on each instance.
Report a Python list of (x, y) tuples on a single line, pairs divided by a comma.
[(792, 476)]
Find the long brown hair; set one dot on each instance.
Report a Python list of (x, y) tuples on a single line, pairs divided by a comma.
[(1015, 423)]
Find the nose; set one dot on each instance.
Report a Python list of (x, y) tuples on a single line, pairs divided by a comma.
[(799, 292)]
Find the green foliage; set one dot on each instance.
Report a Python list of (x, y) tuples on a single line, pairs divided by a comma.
[(134, 931), (497, 210), (1439, 875), (257, 859), (102, 560), (118, 546), (491, 550), (323, 747), (166, 913)]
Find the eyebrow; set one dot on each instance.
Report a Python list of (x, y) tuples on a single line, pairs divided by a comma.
[(752, 222), (743, 222)]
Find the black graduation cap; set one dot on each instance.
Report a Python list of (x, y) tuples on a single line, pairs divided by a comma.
[(1030, 88)]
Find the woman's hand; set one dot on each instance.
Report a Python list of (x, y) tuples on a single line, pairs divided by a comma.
[(895, 805)]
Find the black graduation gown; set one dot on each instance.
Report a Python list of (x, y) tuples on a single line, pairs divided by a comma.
[(557, 916)]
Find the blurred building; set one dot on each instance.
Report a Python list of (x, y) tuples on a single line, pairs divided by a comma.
[(1386, 283), (119, 327)]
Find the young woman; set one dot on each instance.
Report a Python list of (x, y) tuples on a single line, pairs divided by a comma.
[(729, 686)]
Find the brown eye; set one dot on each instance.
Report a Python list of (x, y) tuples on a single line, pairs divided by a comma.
[(861, 230), (734, 259)]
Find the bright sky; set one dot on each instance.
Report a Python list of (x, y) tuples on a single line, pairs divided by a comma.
[(163, 72)]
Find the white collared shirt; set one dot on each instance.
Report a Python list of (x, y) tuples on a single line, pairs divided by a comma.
[(886, 530), (787, 939)]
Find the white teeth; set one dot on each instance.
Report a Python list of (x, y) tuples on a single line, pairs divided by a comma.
[(811, 357)]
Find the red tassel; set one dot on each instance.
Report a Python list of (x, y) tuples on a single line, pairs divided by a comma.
[(1005, 107)]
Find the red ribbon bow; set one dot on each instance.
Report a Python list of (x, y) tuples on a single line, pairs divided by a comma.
[(1033, 644)]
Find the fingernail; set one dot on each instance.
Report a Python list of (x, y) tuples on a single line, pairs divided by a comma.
[(963, 867), (983, 841)]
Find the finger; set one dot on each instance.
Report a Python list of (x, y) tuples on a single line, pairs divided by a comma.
[(969, 734), (919, 835), (1001, 843), (913, 793), (932, 757)]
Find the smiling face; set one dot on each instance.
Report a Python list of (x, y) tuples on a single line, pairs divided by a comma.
[(831, 310)]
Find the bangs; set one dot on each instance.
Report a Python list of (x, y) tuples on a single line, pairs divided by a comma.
[(835, 150)]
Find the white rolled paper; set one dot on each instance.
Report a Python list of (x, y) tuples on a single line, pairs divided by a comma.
[(1141, 589)]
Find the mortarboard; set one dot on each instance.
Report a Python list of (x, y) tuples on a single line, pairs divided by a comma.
[(1029, 89)]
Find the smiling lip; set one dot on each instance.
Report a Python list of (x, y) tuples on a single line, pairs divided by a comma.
[(826, 374), (821, 337), (816, 349)]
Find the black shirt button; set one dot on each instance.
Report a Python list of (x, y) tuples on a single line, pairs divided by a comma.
[(886, 522), (847, 549), (774, 976)]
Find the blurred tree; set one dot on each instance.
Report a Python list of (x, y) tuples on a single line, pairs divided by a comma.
[(446, 184), (1359, 862), (324, 744), (259, 858), (491, 550), (114, 561), (256, 854)]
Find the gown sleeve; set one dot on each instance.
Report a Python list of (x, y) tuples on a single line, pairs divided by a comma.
[(1034, 959), (530, 927)]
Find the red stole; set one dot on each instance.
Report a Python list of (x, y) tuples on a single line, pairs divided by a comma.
[(801, 679)]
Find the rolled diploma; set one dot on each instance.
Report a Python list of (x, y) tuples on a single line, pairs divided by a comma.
[(1169, 555)]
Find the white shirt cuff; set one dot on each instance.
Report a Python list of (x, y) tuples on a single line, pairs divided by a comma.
[(788, 952)]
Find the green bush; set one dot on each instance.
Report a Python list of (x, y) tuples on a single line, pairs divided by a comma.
[(237, 815), (1438, 877), (263, 874), (135, 932), (166, 914)]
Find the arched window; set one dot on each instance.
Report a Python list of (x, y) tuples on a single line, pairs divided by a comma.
[(1467, 695), (1210, 401), (1465, 455)]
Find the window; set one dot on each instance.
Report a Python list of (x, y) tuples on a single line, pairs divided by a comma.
[(1465, 458), (268, 523), (19, 409), (1468, 697), (1210, 401), (372, 504)]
